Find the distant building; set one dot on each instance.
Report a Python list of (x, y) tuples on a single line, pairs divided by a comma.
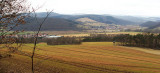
[(53, 36)]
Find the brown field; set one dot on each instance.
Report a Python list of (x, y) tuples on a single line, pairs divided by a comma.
[(88, 34), (89, 57)]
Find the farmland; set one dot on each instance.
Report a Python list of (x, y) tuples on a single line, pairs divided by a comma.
[(76, 36), (89, 57), (87, 34)]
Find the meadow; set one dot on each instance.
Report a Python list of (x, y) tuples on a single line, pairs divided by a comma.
[(88, 34), (89, 57)]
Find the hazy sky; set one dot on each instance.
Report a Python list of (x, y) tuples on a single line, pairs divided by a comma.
[(116, 7)]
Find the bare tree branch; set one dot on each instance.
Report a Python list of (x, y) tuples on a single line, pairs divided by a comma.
[(36, 38)]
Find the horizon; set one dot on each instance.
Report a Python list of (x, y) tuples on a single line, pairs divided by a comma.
[(103, 14)]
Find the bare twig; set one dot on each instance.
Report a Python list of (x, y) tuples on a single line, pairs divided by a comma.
[(36, 38)]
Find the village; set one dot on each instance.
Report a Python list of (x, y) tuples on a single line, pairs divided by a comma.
[(31, 35)]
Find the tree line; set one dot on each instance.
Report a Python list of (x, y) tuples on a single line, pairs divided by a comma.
[(50, 41), (147, 40), (99, 38)]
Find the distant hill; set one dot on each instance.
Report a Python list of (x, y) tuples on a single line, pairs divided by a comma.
[(61, 22), (157, 25), (86, 20), (50, 24), (99, 18), (137, 20), (107, 19), (149, 24), (89, 22), (153, 19)]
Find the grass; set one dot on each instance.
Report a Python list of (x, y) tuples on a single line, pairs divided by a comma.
[(89, 57), (88, 34), (20, 33)]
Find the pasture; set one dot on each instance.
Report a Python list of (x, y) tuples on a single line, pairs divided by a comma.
[(88, 34), (89, 57)]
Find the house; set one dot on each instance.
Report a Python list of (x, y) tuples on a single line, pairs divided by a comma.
[(53, 36)]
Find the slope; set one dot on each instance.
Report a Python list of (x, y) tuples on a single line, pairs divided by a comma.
[(89, 57), (50, 24), (99, 18)]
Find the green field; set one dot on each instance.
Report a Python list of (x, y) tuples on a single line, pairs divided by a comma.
[(89, 57)]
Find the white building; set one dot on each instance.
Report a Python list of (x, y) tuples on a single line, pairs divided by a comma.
[(53, 36)]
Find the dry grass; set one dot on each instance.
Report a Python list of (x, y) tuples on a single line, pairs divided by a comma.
[(88, 34), (90, 57), (147, 50)]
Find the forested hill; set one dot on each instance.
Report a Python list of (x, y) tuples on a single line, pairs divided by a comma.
[(150, 24), (100, 18), (61, 22), (49, 25), (107, 19)]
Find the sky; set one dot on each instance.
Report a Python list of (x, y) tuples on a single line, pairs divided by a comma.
[(113, 7)]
